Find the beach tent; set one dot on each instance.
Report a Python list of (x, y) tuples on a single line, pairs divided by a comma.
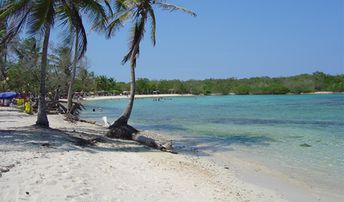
[(8, 95), (5, 97)]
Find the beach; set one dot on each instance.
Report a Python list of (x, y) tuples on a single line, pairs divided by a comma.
[(50, 165), (289, 143), (241, 102), (90, 98)]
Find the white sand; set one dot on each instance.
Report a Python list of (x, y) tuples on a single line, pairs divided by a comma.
[(113, 171), (136, 96)]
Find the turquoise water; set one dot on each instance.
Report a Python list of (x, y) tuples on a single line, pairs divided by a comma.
[(269, 128)]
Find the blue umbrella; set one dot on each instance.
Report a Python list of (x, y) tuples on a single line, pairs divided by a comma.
[(8, 95)]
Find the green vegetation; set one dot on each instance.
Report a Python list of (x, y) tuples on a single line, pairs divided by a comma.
[(37, 18), (304, 83), (24, 70)]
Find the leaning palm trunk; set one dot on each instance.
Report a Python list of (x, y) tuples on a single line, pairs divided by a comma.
[(141, 11), (42, 119), (120, 128), (70, 88)]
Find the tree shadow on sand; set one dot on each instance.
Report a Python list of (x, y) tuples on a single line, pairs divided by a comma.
[(94, 140), (55, 140)]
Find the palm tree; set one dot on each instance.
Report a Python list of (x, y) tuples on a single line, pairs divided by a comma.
[(72, 13), (140, 12), (39, 16)]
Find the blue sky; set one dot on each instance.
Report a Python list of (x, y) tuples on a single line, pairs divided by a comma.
[(232, 38)]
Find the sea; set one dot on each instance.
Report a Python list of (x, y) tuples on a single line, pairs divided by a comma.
[(300, 135)]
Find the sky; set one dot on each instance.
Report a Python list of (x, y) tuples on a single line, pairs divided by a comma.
[(231, 38)]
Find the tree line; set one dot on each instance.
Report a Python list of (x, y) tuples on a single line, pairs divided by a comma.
[(303, 83), (23, 68)]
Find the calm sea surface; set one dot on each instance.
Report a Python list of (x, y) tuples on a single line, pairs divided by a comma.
[(302, 134)]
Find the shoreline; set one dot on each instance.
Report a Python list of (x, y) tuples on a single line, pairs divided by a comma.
[(117, 97), (257, 173), (189, 175)]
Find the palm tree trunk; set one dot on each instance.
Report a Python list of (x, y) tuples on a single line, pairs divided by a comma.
[(42, 119), (129, 108), (120, 128), (123, 119), (70, 89), (3, 64), (3, 53)]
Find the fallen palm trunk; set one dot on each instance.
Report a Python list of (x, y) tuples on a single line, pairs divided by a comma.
[(167, 146), (127, 132)]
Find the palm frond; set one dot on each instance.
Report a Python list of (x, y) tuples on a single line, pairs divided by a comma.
[(171, 7), (121, 5), (13, 9), (14, 27), (71, 14), (110, 23), (42, 16), (108, 6), (153, 25), (117, 23), (14, 14), (137, 34), (93, 10)]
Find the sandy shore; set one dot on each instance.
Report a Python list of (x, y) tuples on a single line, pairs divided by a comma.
[(136, 96), (52, 165), (115, 97)]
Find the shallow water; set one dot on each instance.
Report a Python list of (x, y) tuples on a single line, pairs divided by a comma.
[(302, 135)]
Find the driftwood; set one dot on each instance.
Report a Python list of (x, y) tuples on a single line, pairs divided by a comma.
[(150, 142)]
